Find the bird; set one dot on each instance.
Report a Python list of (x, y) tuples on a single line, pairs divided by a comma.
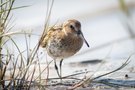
[(63, 41)]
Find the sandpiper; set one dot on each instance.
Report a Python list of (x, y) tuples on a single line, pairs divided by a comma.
[(63, 41)]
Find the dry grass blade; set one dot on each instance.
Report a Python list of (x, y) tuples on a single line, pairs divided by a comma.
[(11, 2), (5, 69), (3, 3), (47, 20), (43, 70), (32, 77), (90, 79), (15, 8), (16, 33), (122, 66), (21, 63)]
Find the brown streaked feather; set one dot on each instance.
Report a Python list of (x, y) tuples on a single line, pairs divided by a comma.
[(49, 34)]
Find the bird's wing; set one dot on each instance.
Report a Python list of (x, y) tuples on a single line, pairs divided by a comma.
[(48, 35)]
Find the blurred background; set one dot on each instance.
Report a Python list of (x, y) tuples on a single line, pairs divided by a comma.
[(108, 26)]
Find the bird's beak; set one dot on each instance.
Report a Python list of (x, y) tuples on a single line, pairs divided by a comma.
[(84, 38)]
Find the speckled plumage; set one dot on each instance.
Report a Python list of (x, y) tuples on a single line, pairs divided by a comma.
[(59, 45), (64, 41)]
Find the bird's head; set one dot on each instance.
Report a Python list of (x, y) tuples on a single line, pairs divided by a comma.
[(73, 27)]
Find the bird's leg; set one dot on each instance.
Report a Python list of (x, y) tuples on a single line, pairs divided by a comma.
[(61, 68), (56, 67)]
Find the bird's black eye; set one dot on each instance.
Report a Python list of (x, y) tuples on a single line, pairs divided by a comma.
[(71, 26)]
